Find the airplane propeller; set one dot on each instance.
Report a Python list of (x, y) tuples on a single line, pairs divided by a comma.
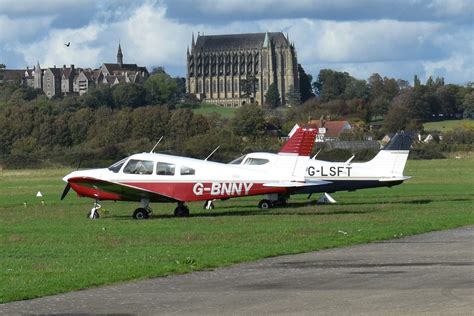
[(65, 192), (68, 186)]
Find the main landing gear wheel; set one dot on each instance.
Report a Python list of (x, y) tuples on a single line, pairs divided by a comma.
[(141, 213), (181, 210), (265, 204)]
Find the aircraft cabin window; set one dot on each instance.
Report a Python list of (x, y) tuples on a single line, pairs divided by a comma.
[(165, 169), (256, 161), (237, 161), (117, 166), (186, 171), (138, 167)]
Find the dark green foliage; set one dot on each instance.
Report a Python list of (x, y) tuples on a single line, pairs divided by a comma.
[(249, 86), (272, 98), (306, 89), (128, 95), (426, 151), (293, 97), (162, 89), (249, 121)]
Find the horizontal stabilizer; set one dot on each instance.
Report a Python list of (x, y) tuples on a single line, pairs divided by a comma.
[(403, 178)]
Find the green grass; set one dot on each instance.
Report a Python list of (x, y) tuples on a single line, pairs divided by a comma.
[(53, 248), (445, 126), (206, 109)]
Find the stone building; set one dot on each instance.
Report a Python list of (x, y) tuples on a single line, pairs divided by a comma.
[(76, 81), (218, 66)]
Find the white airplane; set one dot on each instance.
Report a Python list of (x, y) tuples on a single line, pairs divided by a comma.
[(153, 177), (384, 170)]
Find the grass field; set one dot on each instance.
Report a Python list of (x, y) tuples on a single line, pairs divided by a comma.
[(53, 248), (444, 126), (206, 109)]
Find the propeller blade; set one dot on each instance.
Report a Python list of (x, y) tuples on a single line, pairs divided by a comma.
[(66, 190)]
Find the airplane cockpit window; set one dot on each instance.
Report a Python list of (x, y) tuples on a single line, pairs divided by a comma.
[(256, 161), (138, 167), (165, 169), (117, 166), (237, 161), (186, 171)]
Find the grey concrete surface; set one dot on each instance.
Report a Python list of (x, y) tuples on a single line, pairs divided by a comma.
[(428, 274)]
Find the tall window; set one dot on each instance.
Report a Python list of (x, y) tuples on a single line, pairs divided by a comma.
[(200, 86)]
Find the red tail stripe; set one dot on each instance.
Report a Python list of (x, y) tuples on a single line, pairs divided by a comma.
[(301, 142)]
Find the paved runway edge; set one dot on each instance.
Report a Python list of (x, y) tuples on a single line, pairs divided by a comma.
[(431, 273)]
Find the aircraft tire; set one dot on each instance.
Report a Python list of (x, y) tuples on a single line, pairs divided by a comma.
[(140, 213), (95, 215), (181, 211), (265, 204)]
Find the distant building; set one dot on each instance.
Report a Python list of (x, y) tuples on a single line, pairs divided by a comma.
[(76, 81), (218, 65), (327, 130), (120, 72)]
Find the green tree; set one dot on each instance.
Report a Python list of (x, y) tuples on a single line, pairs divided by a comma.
[(272, 98), (2, 68), (293, 97), (128, 95), (416, 82), (249, 121), (468, 103), (249, 86), (306, 89), (161, 89)]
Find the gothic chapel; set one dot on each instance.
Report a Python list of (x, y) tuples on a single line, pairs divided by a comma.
[(218, 64)]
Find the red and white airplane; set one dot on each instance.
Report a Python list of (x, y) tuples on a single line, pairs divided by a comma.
[(154, 177)]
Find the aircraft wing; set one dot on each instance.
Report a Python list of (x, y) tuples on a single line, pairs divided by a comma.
[(114, 190), (295, 184)]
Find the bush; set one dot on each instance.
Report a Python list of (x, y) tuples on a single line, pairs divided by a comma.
[(426, 151)]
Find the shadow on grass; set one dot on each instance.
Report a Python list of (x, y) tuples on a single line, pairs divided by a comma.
[(289, 209)]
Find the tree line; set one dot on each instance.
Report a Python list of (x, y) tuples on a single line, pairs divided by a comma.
[(111, 122)]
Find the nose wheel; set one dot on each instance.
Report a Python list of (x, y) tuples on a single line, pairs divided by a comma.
[(94, 213)]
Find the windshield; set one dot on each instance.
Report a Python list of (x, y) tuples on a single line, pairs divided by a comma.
[(117, 166), (237, 161)]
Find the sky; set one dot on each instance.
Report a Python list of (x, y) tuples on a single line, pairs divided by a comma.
[(397, 39)]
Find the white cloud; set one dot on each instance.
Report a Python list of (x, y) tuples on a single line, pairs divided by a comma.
[(150, 37), (51, 50), (20, 28)]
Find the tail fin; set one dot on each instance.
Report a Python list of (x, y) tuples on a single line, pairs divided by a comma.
[(301, 142), (393, 157)]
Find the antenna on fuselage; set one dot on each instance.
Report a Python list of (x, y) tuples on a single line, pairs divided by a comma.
[(212, 153), (153, 149), (317, 153)]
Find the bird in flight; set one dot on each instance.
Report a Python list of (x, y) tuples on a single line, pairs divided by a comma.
[(67, 44)]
